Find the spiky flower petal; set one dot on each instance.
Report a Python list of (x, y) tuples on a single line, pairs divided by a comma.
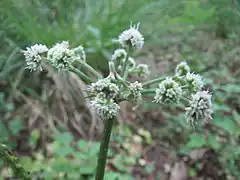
[(61, 56), (105, 108), (194, 82), (200, 108), (169, 91), (131, 38), (33, 56), (104, 86), (182, 69), (119, 54), (135, 94), (142, 70), (80, 53)]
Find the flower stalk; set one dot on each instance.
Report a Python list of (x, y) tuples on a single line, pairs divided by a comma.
[(102, 157), (89, 68), (105, 94), (124, 69), (83, 76)]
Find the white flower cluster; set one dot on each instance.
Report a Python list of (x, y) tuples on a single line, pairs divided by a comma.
[(119, 54), (200, 108), (131, 38), (169, 91), (80, 53), (194, 82), (105, 87), (131, 64), (141, 70), (182, 69), (61, 56), (105, 108), (104, 93), (136, 88), (33, 56)]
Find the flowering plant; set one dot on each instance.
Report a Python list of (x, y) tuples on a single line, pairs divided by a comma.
[(105, 93)]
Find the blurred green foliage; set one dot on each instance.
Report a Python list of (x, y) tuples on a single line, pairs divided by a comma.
[(95, 24)]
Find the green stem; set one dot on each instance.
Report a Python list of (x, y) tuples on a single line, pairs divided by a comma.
[(123, 73), (92, 70), (122, 81), (17, 168), (148, 91), (154, 81), (102, 157), (81, 75), (158, 80)]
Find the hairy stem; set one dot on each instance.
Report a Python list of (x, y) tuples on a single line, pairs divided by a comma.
[(92, 70), (102, 157), (154, 81), (148, 91), (124, 70), (158, 80), (81, 75), (13, 162)]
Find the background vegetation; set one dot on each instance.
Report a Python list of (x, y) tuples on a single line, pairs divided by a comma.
[(45, 120)]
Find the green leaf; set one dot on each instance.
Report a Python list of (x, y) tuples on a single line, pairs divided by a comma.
[(226, 124), (63, 151), (94, 149), (86, 169), (83, 145), (35, 134), (3, 132), (16, 126), (81, 155), (196, 141), (112, 176), (65, 138), (212, 142)]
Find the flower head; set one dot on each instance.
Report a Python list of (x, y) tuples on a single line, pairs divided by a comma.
[(105, 87), (61, 56), (142, 70), (135, 94), (194, 82), (33, 56), (131, 38), (131, 64), (182, 69), (119, 54), (105, 108), (169, 91), (80, 53), (200, 108)]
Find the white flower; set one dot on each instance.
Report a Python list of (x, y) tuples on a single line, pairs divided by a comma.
[(142, 70), (119, 54), (61, 56), (33, 56), (194, 82), (182, 69), (136, 88), (105, 87), (131, 64), (200, 108), (80, 53), (131, 38), (169, 91), (105, 108)]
